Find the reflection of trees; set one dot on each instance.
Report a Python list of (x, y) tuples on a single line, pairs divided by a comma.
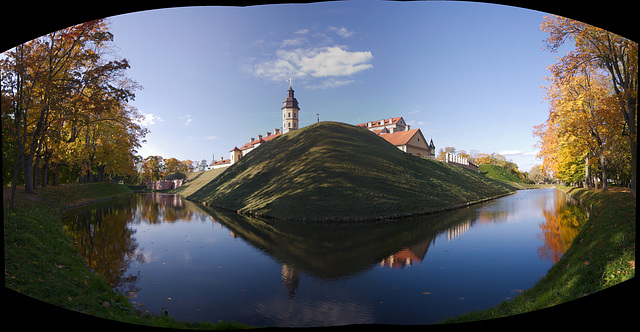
[(563, 223), (155, 208), (490, 216), (103, 236)]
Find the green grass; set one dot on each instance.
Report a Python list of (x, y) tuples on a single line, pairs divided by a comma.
[(43, 269), (195, 181), (498, 173), (601, 256), (335, 171)]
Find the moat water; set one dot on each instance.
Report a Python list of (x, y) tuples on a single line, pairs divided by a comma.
[(169, 255)]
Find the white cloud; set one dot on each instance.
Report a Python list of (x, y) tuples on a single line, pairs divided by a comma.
[(517, 153), (332, 61), (330, 83), (510, 152), (187, 119), (149, 119), (342, 32), (292, 42), (213, 138), (302, 31)]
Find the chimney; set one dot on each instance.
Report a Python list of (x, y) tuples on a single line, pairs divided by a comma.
[(408, 127), (252, 139), (268, 133), (259, 137), (277, 131)]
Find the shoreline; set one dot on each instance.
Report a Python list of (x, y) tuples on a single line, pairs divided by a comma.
[(349, 219), (39, 257)]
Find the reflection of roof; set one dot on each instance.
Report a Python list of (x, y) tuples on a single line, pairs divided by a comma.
[(401, 259), (259, 140), (400, 137)]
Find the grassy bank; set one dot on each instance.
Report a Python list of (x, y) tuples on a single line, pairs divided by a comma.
[(600, 257), (196, 180), (333, 171), (46, 275)]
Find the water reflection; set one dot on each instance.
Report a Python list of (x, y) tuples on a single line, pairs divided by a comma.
[(334, 250), (123, 238), (563, 221)]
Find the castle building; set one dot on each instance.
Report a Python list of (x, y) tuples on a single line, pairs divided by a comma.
[(290, 120), (397, 132), (290, 112), (394, 130)]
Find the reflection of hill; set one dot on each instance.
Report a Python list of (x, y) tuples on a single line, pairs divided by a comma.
[(338, 250)]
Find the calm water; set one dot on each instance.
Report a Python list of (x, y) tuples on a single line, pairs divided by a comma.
[(169, 254)]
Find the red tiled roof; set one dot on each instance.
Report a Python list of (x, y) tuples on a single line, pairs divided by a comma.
[(259, 140), (400, 137), (386, 122), (220, 162)]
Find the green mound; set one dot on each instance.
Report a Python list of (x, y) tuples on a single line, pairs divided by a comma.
[(498, 173), (334, 171), (195, 181)]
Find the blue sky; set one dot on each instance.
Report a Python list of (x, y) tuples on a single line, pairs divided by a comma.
[(467, 74)]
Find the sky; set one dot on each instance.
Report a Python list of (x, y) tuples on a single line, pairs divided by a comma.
[(469, 75)]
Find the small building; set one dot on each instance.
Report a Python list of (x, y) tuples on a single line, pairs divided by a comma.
[(164, 184), (220, 163), (412, 142), (397, 132)]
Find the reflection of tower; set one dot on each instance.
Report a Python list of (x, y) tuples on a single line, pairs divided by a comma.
[(290, 112), (290, 279)]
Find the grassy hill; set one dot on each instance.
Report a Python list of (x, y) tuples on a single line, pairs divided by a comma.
[(335, 171), (498, 173), (195, 181)]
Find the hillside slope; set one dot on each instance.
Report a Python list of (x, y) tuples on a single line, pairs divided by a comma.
[(335, 171), (498, 173), (195, 181)]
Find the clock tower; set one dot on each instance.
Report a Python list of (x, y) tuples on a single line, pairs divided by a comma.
[(290, 112)]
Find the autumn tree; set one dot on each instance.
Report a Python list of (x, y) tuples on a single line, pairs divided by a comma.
[(538, 175), (616, 56), (154, 168), (65, 102)]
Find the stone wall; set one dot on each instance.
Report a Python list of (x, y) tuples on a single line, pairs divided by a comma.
[(460, 161)]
